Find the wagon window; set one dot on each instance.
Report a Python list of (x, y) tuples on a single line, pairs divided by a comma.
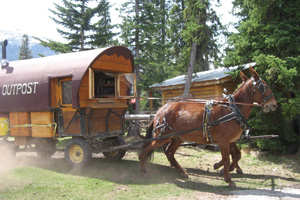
[(65, 97), (126, 84), (110, 85), (66, 89), (104, 84)]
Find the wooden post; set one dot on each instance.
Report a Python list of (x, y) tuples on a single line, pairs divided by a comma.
[(151, 101)]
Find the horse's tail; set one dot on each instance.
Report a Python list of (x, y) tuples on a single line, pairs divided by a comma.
[(149, 135), (149, 132)]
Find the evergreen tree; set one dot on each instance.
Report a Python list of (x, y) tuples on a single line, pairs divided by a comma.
[(79, 29), (25, 52), (103, 34), (75, 16), (144, 30), (269, 35), (194, 21)]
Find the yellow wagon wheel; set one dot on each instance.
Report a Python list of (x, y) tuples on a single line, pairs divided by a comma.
[(78, 153)]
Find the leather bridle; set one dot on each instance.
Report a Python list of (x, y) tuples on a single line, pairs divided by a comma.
[(261, 87)]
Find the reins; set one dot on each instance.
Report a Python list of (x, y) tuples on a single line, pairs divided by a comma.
[(195, 100)]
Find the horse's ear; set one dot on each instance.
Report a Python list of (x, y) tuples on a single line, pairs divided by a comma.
[(254, 74), (243, 76)]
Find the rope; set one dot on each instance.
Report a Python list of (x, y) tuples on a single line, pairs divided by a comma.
[(38, 125), (189, 100)]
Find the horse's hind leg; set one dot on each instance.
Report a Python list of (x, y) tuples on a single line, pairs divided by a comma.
[(225, 151), (148, 149), (170, 151)]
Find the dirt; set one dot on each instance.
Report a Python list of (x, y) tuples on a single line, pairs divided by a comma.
[(286, 193)]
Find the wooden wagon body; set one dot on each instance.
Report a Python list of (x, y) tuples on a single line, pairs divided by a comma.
[(69, 95)]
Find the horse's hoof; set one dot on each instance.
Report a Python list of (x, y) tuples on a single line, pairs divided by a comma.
[(184, 175), (221, 172), (239, 171), (216, 166), (232, 185)]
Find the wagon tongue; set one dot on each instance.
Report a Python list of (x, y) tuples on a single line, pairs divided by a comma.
[(4, 61)]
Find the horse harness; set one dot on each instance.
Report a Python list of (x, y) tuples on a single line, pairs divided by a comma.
[(234, 114)]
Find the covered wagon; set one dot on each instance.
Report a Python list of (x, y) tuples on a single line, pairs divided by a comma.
[(77, 95)]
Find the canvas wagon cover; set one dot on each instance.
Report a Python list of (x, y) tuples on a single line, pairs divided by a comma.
[(25, 85)]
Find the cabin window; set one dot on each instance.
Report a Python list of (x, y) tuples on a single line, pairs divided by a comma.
[(66, 91), (111, 85)]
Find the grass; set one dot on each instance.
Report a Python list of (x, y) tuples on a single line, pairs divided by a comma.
[(31, 178)]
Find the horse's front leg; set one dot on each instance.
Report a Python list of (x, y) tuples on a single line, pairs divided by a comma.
[(170, 151), (225, 151), (236, 156)]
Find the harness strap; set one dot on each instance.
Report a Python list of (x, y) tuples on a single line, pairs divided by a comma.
[(206, 123), (235, 114), (224, 119)]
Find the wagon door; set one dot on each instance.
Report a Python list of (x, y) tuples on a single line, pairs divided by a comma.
[(68, 118)]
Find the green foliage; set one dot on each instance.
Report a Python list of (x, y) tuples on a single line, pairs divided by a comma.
[(25, 52), (103, 34), (145, 32), (162, 32), (58, 47), (268, 35), (194, 21), (83, 27)]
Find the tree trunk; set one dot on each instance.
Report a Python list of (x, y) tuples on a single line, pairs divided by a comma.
[(190, 71), (136, 130)]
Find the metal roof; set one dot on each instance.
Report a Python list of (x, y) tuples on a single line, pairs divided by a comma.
[(25, 84), (215, 74)]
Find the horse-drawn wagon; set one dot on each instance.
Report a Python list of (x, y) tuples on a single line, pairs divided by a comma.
[(74, 95), (85, 96)]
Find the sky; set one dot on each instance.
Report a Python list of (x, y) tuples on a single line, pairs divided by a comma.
[(32, 16)]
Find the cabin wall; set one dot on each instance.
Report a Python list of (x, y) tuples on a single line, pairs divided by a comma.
[(207, 91), (203, 92)]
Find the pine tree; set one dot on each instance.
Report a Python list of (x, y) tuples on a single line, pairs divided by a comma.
[(103, 34), (25, 52), (201, 28), (194, 21), (77, 19)]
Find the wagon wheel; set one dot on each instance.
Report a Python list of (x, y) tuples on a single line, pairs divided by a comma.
[(78, 153), (45, 148), (114, 155), (7, 152)]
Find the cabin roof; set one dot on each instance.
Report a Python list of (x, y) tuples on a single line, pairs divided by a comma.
[(211, 75), (25, 84)]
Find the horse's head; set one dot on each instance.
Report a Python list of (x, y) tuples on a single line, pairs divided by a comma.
[(262, 94)]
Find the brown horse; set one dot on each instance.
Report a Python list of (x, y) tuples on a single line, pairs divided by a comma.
[(187, 118)]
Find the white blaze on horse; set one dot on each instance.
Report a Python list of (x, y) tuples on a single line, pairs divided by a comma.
[(219, 122)]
